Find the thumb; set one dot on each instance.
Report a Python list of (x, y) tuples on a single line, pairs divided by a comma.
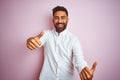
[(94, 66), (41, 34)]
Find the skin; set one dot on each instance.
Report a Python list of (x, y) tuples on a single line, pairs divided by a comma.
[(33, 42), (60, 20), (88, 73)]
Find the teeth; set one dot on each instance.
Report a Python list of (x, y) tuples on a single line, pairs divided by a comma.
[(60, 25)]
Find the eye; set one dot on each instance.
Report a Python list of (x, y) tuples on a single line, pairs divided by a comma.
[(56, 17), (63, 17)]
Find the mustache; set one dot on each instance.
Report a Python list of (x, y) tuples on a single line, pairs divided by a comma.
[(60, 23)]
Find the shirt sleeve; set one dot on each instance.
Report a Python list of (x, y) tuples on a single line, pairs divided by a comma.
[(43, 39), (80, 63)]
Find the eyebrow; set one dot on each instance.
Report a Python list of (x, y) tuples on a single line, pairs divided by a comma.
[(60, 16)]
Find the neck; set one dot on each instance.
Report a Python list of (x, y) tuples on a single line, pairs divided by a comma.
[(59, 32)]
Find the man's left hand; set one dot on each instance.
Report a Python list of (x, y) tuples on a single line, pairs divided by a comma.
[(87, 73)]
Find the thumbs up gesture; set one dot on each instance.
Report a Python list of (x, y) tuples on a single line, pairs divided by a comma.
[(34, 42), (88, 73)]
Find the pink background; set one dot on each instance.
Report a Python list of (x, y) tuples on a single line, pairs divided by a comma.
[(95, 22)]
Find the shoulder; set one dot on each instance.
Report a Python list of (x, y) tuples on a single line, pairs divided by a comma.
[(72, 36), (48, 32)]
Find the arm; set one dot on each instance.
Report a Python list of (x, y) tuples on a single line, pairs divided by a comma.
[(80, 63), (34, 42), (85, 72)]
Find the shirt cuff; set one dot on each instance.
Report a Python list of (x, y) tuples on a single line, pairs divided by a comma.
[(80, 67)]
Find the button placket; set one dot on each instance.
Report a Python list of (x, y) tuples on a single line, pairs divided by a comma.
[(57, 58)]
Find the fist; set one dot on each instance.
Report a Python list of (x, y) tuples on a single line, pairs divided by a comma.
[(34, 42), (88, 73)]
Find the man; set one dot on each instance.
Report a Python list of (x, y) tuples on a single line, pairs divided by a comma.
[(60, 46)]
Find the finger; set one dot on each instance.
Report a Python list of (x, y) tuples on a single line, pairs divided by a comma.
[(92, 78), (29, 43), (41, 34), (94, 66), (88, 74), (30, 47), (88, 71), (83, 74), (35, 43)]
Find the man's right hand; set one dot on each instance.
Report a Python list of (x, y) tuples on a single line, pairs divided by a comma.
[(34, 42)]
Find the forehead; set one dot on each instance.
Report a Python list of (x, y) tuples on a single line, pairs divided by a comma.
[(60, 13)]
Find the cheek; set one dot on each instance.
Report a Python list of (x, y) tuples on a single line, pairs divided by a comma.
[(66, 22), (54, 21)]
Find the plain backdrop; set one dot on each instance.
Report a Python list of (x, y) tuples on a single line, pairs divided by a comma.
[(95, 22)]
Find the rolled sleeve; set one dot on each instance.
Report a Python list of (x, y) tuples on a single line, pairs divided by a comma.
[(80, 63)]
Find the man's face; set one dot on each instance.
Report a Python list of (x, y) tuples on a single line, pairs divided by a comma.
[(60, 20)]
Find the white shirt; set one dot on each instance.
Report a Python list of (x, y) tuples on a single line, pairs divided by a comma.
[(59, 51)]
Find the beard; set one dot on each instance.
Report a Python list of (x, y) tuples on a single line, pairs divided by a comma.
[(60, 27)]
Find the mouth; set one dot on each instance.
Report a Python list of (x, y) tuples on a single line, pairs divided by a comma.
[(60, 25)]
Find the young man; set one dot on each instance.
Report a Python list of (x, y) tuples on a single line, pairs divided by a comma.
[(60, 46)]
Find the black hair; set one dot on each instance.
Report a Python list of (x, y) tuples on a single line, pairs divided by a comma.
[(59, 8)]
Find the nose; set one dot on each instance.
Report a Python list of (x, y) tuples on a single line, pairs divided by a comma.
[(60, 20)]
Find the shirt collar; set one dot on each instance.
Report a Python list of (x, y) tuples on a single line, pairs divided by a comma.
[(61, 33)]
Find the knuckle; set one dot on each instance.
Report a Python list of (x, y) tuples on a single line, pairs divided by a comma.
[(33, 40), (89, 77)]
